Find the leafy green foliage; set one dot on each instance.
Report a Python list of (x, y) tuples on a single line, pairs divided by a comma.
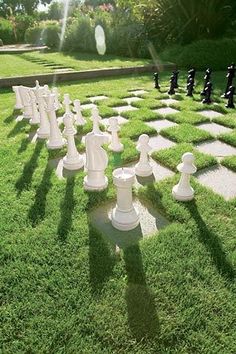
[(6, 31)]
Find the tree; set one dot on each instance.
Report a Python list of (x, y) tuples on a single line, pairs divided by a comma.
[(21, 6)]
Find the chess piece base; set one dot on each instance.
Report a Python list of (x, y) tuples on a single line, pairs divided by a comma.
[(143, 171), (230, 106), (183, 197), (55, 145), (42, 134), (125, 220), (18, 107), (75, 163), (34, 122), (118, 148), (95, 182)]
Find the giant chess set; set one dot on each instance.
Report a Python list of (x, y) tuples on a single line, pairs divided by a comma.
[(40, 105)]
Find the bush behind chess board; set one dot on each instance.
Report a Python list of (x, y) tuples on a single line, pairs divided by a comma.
[(216, 54), (6, 31), (47, 33)]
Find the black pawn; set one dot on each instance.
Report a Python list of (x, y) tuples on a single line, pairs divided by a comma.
[(230, 76), (156, 81), (190, 87), (208, 92), (176, 77), (230, 96), (172, 86), (207, 78)]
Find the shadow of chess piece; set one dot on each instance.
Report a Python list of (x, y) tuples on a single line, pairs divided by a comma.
[(208, 92), (172, 86), (156, 81), (230, 76), (230, 96), (207, 78), (176, 77), (190, 87)]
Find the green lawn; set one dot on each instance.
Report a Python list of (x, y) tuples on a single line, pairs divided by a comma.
[(37, 62), (63, 287)]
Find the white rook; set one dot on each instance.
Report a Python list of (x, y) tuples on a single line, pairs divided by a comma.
[(18, 104), (124, 216), (183, 190)]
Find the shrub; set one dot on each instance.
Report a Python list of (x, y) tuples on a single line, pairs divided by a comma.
[(47, 33), (22, 23), (6, 31), (216, 54), (80, 36)]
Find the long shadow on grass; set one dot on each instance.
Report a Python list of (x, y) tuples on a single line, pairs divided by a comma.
[(142, 314), (67, 207), (101, 261), (37, 210), (18, 128), (25, 179), (13, 116), (212, 244)]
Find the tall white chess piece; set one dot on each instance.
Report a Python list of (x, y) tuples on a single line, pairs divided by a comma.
[(57, 95), (46, 90), (35, 113), (96, 120), (55, 138), (67, 102), (96, 162), (183, 190), (143, 168), (73, 160), (25, 97), (79, 119), (115, 145), (43, 131), (18, 104)]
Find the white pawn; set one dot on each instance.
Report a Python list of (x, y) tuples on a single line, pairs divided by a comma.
[(46, 90), (43, 131), (67, 102), (96, 120), (79, 119), (143, 168), (57, 95), (73, 160), (96, 162), (18, 104), (115, 145), (35, 113), (183, 190), (55, 138)]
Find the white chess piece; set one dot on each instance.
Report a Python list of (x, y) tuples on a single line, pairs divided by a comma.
[(67, 102), (73, 160), (57, 95), (35, 113), (43, 131), (143, 168), (96, 162), (18, 104), (96, 120), (25, 97), (79, 119), (124, 216), (55, 138), (183, 190), (115, 145), (46, 90)]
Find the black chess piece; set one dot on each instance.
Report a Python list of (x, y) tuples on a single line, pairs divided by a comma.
[(230, 96), (207, 78), (176, 77), (190, 87), (172, 86), (230, 76), (191, 74), (156, 81), (208, 92)]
